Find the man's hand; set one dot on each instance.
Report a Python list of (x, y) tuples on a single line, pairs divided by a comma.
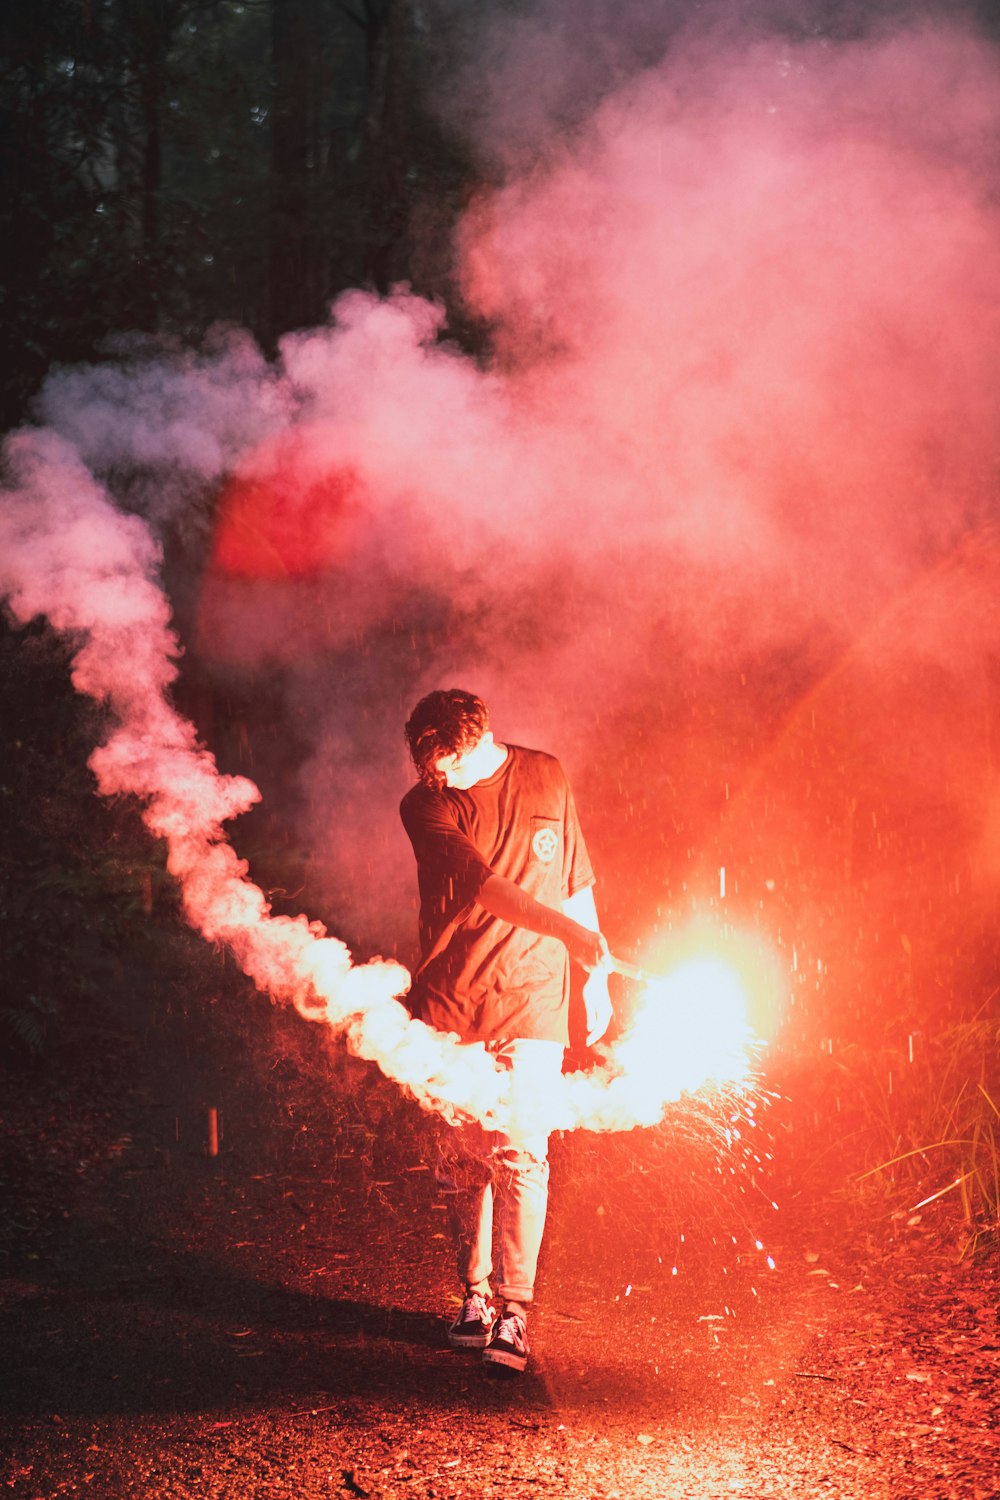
[(590, 949), (597, 1003)]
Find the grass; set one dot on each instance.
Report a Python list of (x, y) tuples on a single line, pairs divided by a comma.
[(929, 1128)]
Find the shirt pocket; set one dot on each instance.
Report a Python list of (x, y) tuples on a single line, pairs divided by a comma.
[(546, 842)]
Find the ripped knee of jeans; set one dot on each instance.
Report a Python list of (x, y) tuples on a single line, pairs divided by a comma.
[(521, 1159)]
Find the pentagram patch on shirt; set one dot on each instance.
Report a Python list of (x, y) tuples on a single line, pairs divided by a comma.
[(545, 843)]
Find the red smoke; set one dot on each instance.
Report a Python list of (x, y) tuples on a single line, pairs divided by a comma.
[(761, 288), (286, 512)]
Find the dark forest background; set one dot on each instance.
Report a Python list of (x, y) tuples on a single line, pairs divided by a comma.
[(169, 164)]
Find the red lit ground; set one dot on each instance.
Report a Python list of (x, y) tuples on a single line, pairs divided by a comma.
[(269, 1324)]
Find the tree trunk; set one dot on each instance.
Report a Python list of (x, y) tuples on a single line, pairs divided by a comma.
[(388, 120), (152, 26), (291, 236)]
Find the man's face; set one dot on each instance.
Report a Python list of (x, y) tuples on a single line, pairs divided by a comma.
[(465, 768)]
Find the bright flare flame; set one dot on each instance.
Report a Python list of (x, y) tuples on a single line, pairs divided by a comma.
[(689, 1031)]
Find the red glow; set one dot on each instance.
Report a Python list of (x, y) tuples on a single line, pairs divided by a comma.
[(287, 512)]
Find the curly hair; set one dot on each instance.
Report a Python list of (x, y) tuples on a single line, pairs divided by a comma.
[(446, 722)]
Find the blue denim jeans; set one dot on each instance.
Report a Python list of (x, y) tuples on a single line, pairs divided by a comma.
[(494, 1181)]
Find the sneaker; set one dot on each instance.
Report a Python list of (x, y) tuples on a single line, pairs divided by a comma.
[(472, 1328), (509, 1344)]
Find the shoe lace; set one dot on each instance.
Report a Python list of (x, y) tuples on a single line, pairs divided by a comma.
[(476, 1307), (512, 1328)]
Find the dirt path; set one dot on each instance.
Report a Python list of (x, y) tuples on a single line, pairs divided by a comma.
[(270, 1324)]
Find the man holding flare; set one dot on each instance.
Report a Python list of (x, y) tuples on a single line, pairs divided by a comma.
[(506, 900)]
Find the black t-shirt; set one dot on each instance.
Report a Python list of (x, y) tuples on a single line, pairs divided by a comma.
[(480, 976)]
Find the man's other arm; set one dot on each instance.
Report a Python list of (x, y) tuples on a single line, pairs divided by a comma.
[(581, 908)]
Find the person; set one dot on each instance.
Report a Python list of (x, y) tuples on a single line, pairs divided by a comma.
[(506, 899)]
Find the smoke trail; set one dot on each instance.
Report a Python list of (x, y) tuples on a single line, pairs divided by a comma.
[(71, 555)]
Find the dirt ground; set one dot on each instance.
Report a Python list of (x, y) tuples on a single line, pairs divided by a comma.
[(270, 1322)]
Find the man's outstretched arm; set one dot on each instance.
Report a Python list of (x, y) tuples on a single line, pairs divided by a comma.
[(503, 899)]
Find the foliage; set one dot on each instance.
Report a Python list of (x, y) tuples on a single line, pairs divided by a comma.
[(66, 914), (943, 1126), (923, 1118), (24, 1023)]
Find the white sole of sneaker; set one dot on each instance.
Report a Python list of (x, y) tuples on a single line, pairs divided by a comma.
[(468, 1341), (508, 1361)]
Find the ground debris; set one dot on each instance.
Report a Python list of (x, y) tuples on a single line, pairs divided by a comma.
[(171, 1316)]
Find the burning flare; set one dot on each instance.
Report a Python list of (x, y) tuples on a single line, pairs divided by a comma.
[(67, 552)]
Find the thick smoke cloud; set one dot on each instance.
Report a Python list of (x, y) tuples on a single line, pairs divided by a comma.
[(743, 398)]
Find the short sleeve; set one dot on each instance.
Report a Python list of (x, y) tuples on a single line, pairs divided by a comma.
[(448, 862)]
